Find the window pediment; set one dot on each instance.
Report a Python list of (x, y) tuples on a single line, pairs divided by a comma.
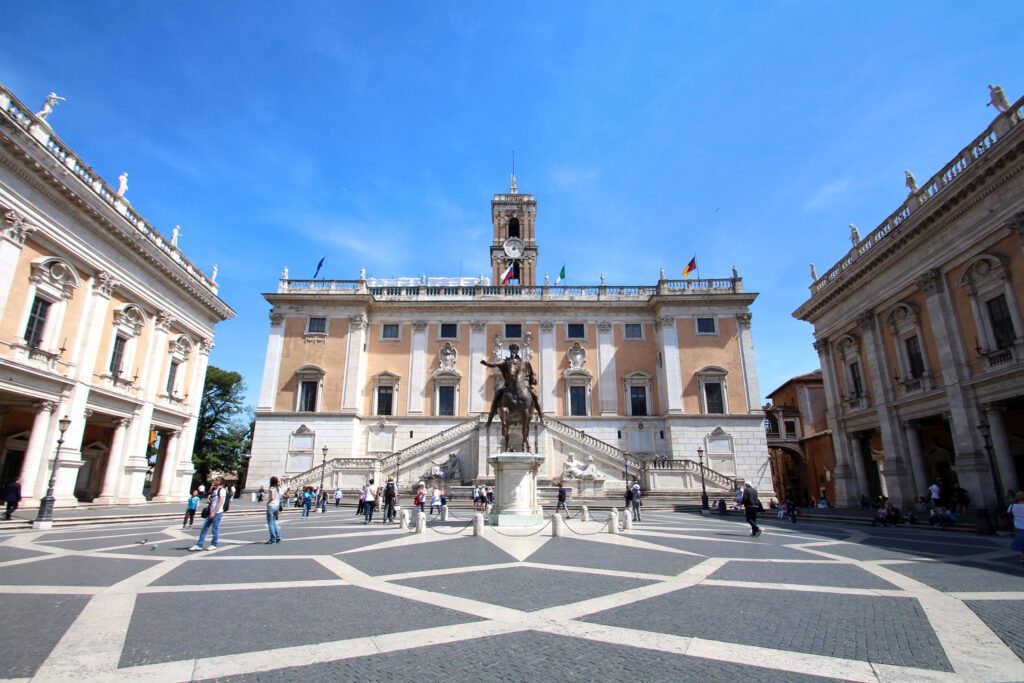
[(56, 275)]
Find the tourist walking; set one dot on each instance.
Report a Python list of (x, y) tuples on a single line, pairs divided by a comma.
[(260, 494), (390, 498), (337, 497), (1016, 510), (12, 496), (791, 508), (435, 500), (421, 494), (368, 500), (273, 510), (323, 502), (635, 500), (750, 508), (490, 496), (307, 501), (190, 509), (563, 495), (214, 511)]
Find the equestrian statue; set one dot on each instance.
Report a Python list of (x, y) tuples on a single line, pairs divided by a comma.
[(517, 400)]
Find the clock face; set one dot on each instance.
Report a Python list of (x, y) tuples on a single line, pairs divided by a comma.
[(514, 247)]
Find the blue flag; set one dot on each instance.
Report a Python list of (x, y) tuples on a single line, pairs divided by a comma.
[(318, 267)]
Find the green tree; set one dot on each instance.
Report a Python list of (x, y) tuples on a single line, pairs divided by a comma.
[(222, 438)]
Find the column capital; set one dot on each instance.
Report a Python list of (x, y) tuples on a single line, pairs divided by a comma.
[(48, 406), (276, 317), (744, 319), (929, 281), (122, 422), (206, 346), (171, 433), (1016, 224), (866, 320), (665, 321), (419, 325), (16, 227), (359, 321), (105, 284), (604, 326), (993, 406), (478, 325), (546, 325), (821, 346), (164, 320)]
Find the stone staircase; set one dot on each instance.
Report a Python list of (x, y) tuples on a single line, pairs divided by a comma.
[(421, 451), (618, 459)]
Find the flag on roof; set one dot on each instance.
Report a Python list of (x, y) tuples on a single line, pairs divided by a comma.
[(690, 267), (507, 275), (318, 267), (561, 275)]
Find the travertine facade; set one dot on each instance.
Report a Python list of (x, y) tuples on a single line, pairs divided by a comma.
[(102, 320), (920, 335), (387, 374)]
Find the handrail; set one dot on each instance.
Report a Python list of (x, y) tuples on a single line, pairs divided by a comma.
[(687, 465), (541, 292), (620, 456), (428, 444), (947, 176)]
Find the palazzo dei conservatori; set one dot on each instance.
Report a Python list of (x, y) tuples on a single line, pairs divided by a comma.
[(375, 378)]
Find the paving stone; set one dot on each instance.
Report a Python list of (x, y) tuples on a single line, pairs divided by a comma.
[(839, 575), (214, 570), (963, 576), (8, 554), (72, 570), (31, 627), (525, 588), (459, 552), (760, 549), (866, 553), (182, 625), (123, 531), (883, 630), (1004, 618), (571, 552), (173, 548), (526, 656), (289, 546), (108, 542), (931, 547)]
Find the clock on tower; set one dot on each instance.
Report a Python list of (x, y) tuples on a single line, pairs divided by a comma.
[(513, 217)]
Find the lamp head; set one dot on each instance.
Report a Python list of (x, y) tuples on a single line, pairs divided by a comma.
[(63, 424), (325, 451)]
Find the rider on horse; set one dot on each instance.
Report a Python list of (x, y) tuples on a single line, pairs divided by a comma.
[(511, 369)]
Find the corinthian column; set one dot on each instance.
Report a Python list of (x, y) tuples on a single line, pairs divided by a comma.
[(115, 461), (37, 441), (170, 461)]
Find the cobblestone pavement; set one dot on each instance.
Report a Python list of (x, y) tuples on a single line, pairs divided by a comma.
[(679, 597)]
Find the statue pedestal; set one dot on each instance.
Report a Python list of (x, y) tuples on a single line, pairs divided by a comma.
[(515, 490)]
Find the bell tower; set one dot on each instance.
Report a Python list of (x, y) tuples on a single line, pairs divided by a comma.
[(514, 216)]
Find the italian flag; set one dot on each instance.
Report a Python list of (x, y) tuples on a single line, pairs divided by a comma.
[(507, 275), (561, 275)]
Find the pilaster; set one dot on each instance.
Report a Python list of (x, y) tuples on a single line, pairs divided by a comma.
[(115, 461), (549, 367), (355, 359), (608, 379), (669, 342), (748, 362), (417, 367), (14, 230), (272, 364), (35, 453), (477, 372)]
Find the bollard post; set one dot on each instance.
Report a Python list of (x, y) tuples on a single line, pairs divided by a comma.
[(478, 524), (444, 513), (421, 522), (488, 510), (627, 521), (613, 521), (403, 518), (585, 514), (556, 525)]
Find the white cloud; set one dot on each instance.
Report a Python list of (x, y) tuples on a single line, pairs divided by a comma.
[(825, 195), (566, 177)]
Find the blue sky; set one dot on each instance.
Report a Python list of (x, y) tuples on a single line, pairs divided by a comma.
[(749, 134)]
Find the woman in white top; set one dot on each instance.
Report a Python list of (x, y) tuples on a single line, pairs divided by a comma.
[(1017, 510), (273, 508), (368, 500)]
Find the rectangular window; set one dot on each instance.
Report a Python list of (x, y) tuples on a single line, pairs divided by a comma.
[(638, 400), (713, 399), (389, 331), (577, 400), (856, 384), (574, 331), (172, 377), (1002, 324), (36, 323), (385, 400), (446, 400), (317, 326), (790, 427), (513, 330), (633, 331), (117, 357), (915, 359), (449, 331), (307, 401), (707, 326)]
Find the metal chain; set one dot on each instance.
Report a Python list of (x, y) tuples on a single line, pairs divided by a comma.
[(601, 530), (532, 533), (449, 533)]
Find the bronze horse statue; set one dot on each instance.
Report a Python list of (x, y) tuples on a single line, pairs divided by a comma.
[(517, 399)]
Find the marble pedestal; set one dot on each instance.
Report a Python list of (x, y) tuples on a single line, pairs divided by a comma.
[(515, 490)]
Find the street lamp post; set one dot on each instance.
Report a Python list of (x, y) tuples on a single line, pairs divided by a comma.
[(703, 488), (323, 469), (45, 516)]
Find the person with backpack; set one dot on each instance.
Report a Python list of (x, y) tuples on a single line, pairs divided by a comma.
[(190, 509), (390, 498), (368, 501), (750, 507)]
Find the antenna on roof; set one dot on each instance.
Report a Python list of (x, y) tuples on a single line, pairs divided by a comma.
[(514, 189)]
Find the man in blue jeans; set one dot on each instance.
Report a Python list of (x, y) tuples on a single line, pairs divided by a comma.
[(217, 497)]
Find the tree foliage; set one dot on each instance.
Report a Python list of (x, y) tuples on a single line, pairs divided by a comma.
[(224, 430)]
